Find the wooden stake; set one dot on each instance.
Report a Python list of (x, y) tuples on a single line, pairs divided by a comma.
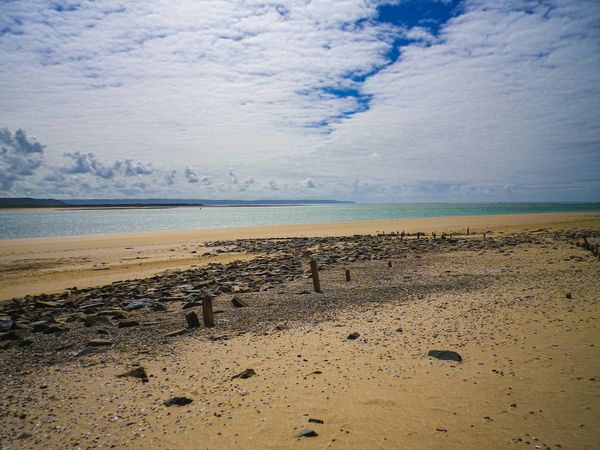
[(207, 312), (347, 274), (192, 320), (389, 264), (315, 275)]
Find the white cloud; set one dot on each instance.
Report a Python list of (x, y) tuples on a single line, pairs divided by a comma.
[(505, 95)]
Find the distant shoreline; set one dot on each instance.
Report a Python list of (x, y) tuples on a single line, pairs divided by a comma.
[(144, 206)]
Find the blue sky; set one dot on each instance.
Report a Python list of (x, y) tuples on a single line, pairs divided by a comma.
[(374, 101)]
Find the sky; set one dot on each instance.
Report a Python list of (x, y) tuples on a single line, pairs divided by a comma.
[(363, 100)]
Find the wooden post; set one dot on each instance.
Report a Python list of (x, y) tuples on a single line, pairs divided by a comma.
[(467, 231), (315, 275), (207, 312), (389, 264), (192, 320), (347, 274)]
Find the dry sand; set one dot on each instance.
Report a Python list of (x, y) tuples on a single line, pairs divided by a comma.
[(530, 377), (48, 265)]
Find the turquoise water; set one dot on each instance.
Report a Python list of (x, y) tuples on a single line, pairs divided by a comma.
[(35, 223)]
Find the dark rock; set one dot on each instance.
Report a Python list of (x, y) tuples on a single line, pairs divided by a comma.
[(138, 372), (446, 355), (189, 305), (6, 323), (178, 401), (353, 336), (51, 329), (307, 432), (88, 351), (316, 421), (128, 323), (238, 302), (42, 305), (114, 313), (569, 295), (245, 374), (10, 336), (40, 326), (137, 304), (99, 343), (91, 321)]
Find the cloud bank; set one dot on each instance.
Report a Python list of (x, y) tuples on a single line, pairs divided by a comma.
[(364, 100)]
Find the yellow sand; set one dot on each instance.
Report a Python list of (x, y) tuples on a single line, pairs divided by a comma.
[(530, 375), (48, 265)]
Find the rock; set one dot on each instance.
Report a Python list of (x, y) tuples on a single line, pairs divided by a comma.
[(99, 343), (178, 401), (42, 305), (238, 302), (569, 295), (114, 313), (91, 321), (128, 323), (245, 374), (307, 432), (353, 336), (177, 332), (137, 304), (6, 323), (138, 372), (189, 305), (446, 355), (316, 421), (192, 320), (89, 351), (40, 326), (51, 329)]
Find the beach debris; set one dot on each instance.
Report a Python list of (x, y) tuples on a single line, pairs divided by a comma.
[(347, 274), (399, 330), (192, 320), (353, 336), (446, 355), (307, 432), (6, 323), (139, 373), (178, 401), (569, 295), (311, 420), (443, 430), (245, 374), (99, 343), (177, 332), (10, 336), (89, 351), (128, 323), (238, 302), (194, 304), (95, 320)]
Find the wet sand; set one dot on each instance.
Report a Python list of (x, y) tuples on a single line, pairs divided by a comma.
[(48, 265)]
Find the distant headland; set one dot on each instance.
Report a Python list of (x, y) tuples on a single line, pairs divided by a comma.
[(28, 202)]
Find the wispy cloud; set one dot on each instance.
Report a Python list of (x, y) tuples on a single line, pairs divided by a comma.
[(478, 93)]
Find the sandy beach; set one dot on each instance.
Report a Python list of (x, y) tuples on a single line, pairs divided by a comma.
[(48, 265), (345, 368)]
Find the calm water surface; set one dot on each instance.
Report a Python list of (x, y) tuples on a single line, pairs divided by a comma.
[(36, 223)]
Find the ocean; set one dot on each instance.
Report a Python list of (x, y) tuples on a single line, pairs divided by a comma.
[(24, 223)]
